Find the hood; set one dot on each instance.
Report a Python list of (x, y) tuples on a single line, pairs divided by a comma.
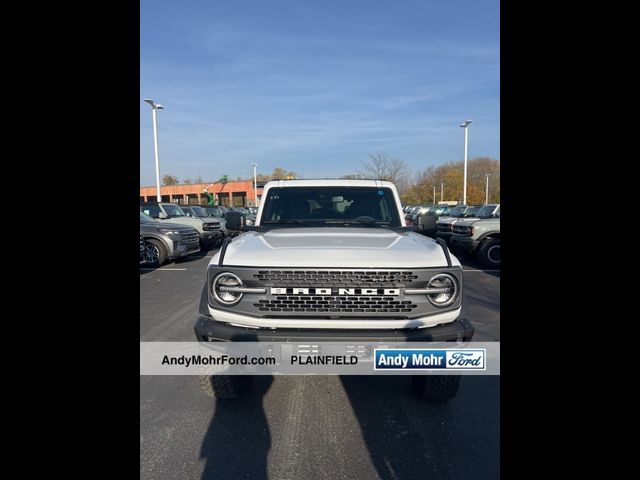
[(334, 248), (157, 225), (188, 221), (210, 219), (447, 220), (465, 222)]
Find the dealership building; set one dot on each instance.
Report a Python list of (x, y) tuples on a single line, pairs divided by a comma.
[(239, 193)]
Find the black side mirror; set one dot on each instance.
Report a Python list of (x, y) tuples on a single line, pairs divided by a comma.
[(235, 221)]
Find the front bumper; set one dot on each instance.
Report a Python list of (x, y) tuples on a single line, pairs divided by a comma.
[(181, 249), (207, 329), (463, 244), (211, 236)]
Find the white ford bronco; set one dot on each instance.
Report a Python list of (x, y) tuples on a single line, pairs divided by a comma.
[(332, 261)]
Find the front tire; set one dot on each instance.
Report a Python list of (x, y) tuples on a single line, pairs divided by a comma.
[(226, 386), (489, 253), (155, 253), (436, 388)]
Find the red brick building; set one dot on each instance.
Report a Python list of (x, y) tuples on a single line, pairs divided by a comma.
[(236, 193)]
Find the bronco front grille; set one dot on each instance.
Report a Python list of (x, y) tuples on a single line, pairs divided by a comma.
[(211, 226), (299, 278), (339, 304), (189, 236), (466, 231)]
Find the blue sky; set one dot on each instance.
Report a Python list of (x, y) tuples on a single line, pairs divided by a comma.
[(314, 86)]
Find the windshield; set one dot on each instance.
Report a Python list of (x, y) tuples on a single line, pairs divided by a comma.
[(144, 218), (331, 206), (198, 211), (173, 210), (471, 211), (486, 211), (214, 211), (456, 211)]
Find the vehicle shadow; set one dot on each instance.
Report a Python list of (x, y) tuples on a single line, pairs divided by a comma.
[(238, 439), (410, 438), (404, 436)]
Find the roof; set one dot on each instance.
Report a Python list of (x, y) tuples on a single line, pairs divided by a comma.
[(330, 182)]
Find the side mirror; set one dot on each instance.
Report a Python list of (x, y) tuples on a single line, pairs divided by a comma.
[(163, 215), (235, 221)]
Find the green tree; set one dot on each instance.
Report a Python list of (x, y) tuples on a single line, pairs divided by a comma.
[(170, 180)]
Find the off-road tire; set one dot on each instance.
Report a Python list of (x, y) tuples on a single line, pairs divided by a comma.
[(486, 253), (226, 386), (436, 388)]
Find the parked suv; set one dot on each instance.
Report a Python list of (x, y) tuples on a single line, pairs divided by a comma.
[(333, 259), (209, 229), (479, 237), (444, 225), (166, 241), (198, 211)]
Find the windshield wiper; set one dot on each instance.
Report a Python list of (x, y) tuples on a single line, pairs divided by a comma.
[(284, 222), (374, 223)]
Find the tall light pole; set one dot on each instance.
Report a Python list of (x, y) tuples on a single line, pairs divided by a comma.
[(434, 195), (486, 195), (465, 125), (255, 184), (154, 107), (441, 191)]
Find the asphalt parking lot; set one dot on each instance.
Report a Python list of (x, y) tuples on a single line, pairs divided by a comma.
[(312, 427)]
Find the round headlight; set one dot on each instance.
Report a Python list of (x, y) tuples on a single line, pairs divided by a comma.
[(448, 290), (226, 280)]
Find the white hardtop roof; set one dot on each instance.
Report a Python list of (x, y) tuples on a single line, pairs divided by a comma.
[(328, 182)]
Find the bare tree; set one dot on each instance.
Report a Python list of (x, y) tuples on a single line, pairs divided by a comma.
[(381, 166)]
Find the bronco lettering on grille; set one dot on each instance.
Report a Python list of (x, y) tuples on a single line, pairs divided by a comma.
[(334, 291)]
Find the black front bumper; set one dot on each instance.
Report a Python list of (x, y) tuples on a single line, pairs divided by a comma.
[(207, 329)]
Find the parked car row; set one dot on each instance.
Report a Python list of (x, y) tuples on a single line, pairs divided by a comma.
[(467, 229), (475, 231), (169, 231)]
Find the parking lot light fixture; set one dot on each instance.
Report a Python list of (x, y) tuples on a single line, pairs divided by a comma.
[(465, 125), (255, 185), (486, 195), (154, 107)]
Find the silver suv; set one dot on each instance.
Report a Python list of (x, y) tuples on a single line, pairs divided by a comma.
[(209, 229), (165, 241)]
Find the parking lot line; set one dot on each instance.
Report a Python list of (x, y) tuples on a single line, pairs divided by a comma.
[(162, 269)]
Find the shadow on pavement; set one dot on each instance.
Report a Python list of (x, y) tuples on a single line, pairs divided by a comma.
[(409, 438), (405, 437), (238, 440)]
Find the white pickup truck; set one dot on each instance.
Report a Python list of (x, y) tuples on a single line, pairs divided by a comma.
[(331, 260)]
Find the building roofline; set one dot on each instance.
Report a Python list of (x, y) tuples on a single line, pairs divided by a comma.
[(204, 183)]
